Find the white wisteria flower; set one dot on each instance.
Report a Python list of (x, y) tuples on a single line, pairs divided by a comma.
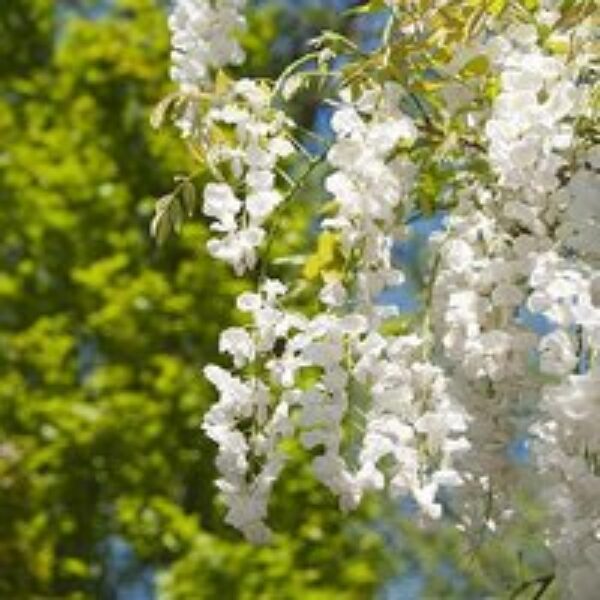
[(499, 142)]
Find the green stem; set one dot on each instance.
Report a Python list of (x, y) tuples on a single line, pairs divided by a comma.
[(299, 183)]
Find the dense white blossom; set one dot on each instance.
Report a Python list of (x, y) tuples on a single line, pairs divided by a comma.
[(438, 406), (203, 38)]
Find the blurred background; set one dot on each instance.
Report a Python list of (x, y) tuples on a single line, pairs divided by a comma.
[(106, 481)]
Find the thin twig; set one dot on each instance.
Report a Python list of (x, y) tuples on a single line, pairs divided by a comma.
[(544, 581)]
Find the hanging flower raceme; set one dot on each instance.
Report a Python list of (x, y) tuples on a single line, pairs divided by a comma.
[(203, 41), (255, 140)]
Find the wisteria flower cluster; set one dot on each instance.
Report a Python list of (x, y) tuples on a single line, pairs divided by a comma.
[(496, 135)]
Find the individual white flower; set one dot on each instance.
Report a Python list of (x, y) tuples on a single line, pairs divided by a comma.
[(221, 204), (425, 497), (385, 135), (458, 255), (235, 395), (346, 122), (261, 204), (238, 248), (255, 94), (557, 354), (273, 289), (333, 294), (237, 342), (249, 302), (260, 180), (507, 295)]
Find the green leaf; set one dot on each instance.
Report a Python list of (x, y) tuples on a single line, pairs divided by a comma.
[(188, 195), (531, 5), (497, 7), (325, 256), (159, 114), (162, 223), (477, 66)]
